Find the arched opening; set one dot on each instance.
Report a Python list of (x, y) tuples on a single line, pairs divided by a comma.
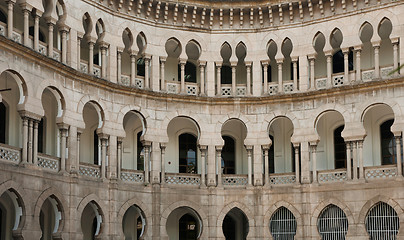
[(241, 69), (234, 132), (386, 47), (3, 122), (91, 220), (50, 218), (320, 66), (193, 51), (173, 48), (134, 223), (338, 65), (11, 213), (184, 223), (331, 152), (282, 224), (84, 44), (388, 146), (287, 66), (127, 39), (228, 156), (132, 147), (235, 225), (332, 223), (3, 17), (367, 53), (272, 71), (190, 72), (382, 222), (226, 75), (140, 63), (89, 141), (187, 151)]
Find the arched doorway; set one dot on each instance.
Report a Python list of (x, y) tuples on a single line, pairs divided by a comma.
[(187, 227), (91, 220), (134, 223), (235, 225), (184, 223), (50, 218)]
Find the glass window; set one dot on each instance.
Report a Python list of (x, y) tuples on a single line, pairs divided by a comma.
[(338, 62), (283, 224), (225, 77), (228, 156), (187, 153), (332, 223), (382, 222), (190, 72)]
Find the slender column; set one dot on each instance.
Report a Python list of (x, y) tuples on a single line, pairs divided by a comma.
[(79, 131), (103, 48), (146, 72), (162, 73), (203, 149), (348, 161), (30, 139), (73, 152), (345, 51), (202, 65), (265, 148), (90, 57), (265, 68), (119, 157), (24, 140), (279, 62), (376, 48), (233, 78), (63, 133), (218, 79), (79, 38), (295, 77), (104, 140), (219, 165), (395, 43), (398, 153), (133, 68), (64, 48), (182, 65), (36, 31), (358, 72), (26, 13), (119, 65), (249, 162), (163, 163), (312, 76), (297, 161), (360, 153), (314, 161), (50, 38), (10, 10), (328, 55), (35, 143), (146, 160), (248, 66), (355, 160)]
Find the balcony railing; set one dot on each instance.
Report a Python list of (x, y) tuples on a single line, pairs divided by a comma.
[(3, 28), (134, 176), (191, 88), (182, 179), (380, 172), (226, 90), (90, 170), (56, 54), (48, 162), (10, 154), (321, 83), (282, 178), (334, 175), (288, 86), (17, 36), (173, 87), (125, 80), (96, 70), (273, 88), (385, 72), (43, 48), (235, 180), (84, 66)]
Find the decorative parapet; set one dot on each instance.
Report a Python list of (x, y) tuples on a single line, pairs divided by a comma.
[(381, 172), (48, 162), (235, 180), (134, 176), (182, 179), (90, 170), (334, 175), (10, 154), (282, 178)]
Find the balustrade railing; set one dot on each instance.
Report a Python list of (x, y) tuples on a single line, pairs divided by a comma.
[(338, 80), (191, 88), (235, 180), (241, 90), (334, 175), (83, 66), (16, 36), (173, 87), (139, 82), (43, 48), (385, 71), (56, 54), (321, 83), (282, 178), (273, 88), (182, 179), (125, 80), (288, 86), (96, 70), (134, 176), (10, 154), (226, 90), (48, 162), (90, 170), (380, 172), (3, 28)]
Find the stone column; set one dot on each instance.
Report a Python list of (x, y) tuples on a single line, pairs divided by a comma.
[(202, 65), (162, 74), (265, 68), (10, 11), (398, 155), (265, 148), (51, 25), (104, 140), (203, 149), (103, 49), (376, 48), (182, 66), (354, 161), (146, 71), (35, 143), (218, 79), (119, 65), (219, 165), (348, 161), (26, 13), (163, 163), (297, 161), (79, 132), (79, 38), (248, 89), (312, 58), (146, 146), (295, 77), (90, 57), (360, 153), (314, 160), (112, 149), (249, 164), (133, 68), (30, 139), (119, 157), (233, 79), (328, 55), (279, 62), (395, 43), (72, 161), (37, 15), (24, 158), (345, 51), (358, 72), (64, 31), (63, 135)]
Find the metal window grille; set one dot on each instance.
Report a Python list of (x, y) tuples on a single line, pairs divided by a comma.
[(332, 223), (283, 225), (382, 222)]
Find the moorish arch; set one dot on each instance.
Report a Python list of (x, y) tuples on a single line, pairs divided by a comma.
[(240, 207), (91, 210)]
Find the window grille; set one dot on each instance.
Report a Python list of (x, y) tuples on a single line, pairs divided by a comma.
[(332, 223), (382, 222), (283, 225)]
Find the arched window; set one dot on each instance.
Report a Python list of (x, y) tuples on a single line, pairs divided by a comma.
[(225, 77), (190, 72), (3, 17), (339, 148), (140, 67), (332, 223), (235, 225), (140, 153), (41, 135), (187, 153), (338, 62), (139, 227), (269, 74), (95, 142), (229, 226), (382, 222), (94, 228), (388, 146), (41, 35), (271, 155), (3, 122), (188, 228), (228, 156), (283, 224)]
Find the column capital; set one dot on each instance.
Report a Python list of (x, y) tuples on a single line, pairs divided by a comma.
[(64, 28), (163, 145), (296, 144), (295, 59), (30, 115), (218, 64), (103, 45), (50, 20), (345, 50), (397, 133), (11, 1), (313, 143), (91, 40), (63, 126), (133, 53), (80, 35), (395, 41), (358, 48), (146, 143), (249, 147), (163, 59), (376, 44), (219, 148), (203, 147), (102, 136), (120, 49), (248, 63), (183, 61), (233, 64), (37, 13), (119, 140), (147, 56), (265, 63), (24, 6), (265, 147), (328, 53), (202, 63), (279, 61), (312, 57)]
